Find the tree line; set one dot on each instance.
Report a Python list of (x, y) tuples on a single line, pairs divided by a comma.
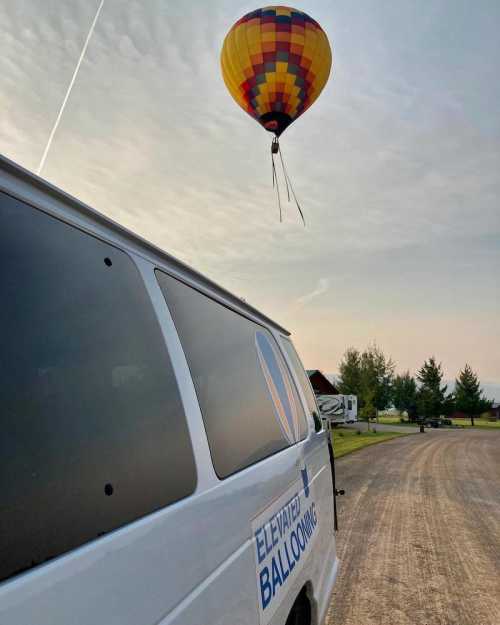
[(370, 375)]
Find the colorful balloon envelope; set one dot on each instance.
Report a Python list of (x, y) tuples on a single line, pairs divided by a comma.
[(275, 63)]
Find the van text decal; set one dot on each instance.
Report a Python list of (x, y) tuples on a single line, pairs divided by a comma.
[(283, 536)]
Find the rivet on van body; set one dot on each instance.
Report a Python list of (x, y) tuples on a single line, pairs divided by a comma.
[(108, 490)]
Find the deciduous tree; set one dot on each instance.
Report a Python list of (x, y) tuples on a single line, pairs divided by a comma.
[(377, 373), (350, 372), (367, 373)]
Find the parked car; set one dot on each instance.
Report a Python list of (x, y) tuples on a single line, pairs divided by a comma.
[(435, 422), (161, 460)]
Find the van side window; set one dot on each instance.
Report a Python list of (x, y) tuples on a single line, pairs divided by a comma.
[(303, 381), (249, 405), (92, 429)]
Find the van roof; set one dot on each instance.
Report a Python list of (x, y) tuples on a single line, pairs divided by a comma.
[(30, 188)]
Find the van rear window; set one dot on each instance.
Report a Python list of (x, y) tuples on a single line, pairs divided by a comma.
[(303, 380), (248, 400), (92, 429)]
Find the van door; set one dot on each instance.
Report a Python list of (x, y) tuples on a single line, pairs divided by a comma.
[(312, 406), (318, 454), (255, 426)]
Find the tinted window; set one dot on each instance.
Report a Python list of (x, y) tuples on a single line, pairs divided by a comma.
[(303, 381), (93, 433), (249, 405)]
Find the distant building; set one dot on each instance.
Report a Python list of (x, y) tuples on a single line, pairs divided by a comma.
[(493, 412), (321, 384)]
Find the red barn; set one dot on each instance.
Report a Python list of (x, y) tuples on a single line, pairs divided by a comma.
[(321, 384)]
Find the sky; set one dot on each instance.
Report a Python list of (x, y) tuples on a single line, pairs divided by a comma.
[(396, 165)]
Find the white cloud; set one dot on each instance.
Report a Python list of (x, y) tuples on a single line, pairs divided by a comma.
[(321, 288), (398, 158)]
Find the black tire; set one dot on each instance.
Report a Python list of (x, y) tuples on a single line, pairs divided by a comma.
[(301, 612)]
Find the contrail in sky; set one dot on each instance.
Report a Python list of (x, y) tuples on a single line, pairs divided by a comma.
[(70, 87)]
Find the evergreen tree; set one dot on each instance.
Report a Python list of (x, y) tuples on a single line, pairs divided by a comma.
[(468, 394), (432, 400), (404, 395), (350, 372)]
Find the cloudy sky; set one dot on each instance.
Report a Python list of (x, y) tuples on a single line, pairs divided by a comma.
[(396, 165)]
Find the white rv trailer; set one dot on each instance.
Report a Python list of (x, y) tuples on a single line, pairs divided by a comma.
[(335, 407), (338, 409), (161, 458), (332, 408), (350, 408)]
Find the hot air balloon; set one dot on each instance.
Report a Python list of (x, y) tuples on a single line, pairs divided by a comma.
[(275, 62)]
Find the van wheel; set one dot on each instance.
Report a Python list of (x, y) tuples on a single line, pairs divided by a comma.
[(301, 612)]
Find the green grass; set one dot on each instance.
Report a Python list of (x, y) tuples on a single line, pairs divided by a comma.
[(392, 421), (478, 423), (346, 441)]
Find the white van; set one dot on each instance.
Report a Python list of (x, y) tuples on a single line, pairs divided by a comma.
[(161, 457)]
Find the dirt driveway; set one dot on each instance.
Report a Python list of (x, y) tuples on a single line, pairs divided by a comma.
[(419, 539)]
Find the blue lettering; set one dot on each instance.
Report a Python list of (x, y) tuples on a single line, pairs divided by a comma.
[(265, 588), (303, 543), (276, 576), (279, 520), (306, 532), (284, 574), (269, 547), (296, 552), (286, 525), (259, 543), (291, 563), (307, 522), (313, 512), (274, 530)]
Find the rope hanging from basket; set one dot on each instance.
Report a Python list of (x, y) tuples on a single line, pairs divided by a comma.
[(276, 149)]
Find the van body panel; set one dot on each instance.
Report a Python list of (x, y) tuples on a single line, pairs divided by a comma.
[(24, 185), (193, 562)]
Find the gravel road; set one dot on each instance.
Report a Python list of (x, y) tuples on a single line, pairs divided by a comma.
[(419, 539)]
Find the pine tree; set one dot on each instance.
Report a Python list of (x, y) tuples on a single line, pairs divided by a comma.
[(432, 400), (468, 394), (404, 395)]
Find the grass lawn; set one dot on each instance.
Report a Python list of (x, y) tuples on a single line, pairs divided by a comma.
[(392, 421), (478, 423), (345, 441)]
